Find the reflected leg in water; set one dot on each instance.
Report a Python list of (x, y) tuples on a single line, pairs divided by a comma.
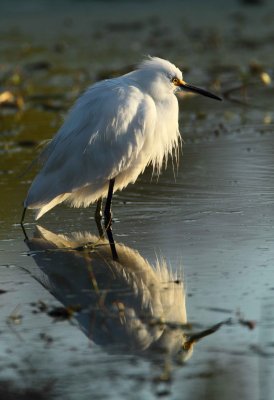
[(112, 243), (24, 231)]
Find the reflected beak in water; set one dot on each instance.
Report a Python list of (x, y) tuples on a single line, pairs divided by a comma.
[(190, 88), (192, 339)]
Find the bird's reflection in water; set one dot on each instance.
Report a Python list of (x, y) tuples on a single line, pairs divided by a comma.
[(126, 305)]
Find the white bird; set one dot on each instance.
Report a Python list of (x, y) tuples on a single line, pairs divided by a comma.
[(114, 130)]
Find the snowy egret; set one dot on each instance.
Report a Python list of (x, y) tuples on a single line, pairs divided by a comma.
[(130, 304), (115, 129)]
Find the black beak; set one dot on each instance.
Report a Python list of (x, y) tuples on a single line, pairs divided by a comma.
[(194, 89)]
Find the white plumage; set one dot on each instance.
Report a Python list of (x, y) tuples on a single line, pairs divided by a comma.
[(114, 130)]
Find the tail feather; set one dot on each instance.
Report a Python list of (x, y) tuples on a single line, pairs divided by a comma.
[(45, 208)]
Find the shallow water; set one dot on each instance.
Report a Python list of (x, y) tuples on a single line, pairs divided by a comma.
[(211, 223)]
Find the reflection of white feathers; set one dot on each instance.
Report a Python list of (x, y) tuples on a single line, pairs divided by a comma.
[(127, 302)]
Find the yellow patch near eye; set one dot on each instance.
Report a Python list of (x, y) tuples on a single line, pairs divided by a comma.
[(177, 81)]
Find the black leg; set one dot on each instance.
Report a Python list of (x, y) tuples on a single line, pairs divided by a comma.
[(23, 216), (98, 217), (22, 224), (107, 212), (98, 211)]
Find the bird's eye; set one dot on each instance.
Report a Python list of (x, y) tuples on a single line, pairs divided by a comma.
[(175, 81)]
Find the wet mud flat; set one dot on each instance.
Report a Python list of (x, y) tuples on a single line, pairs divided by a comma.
[(195, 247)]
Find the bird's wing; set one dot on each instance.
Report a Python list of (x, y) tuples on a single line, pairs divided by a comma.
[(101, 137)]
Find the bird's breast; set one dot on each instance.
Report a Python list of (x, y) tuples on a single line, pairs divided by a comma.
[(166, 134)]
